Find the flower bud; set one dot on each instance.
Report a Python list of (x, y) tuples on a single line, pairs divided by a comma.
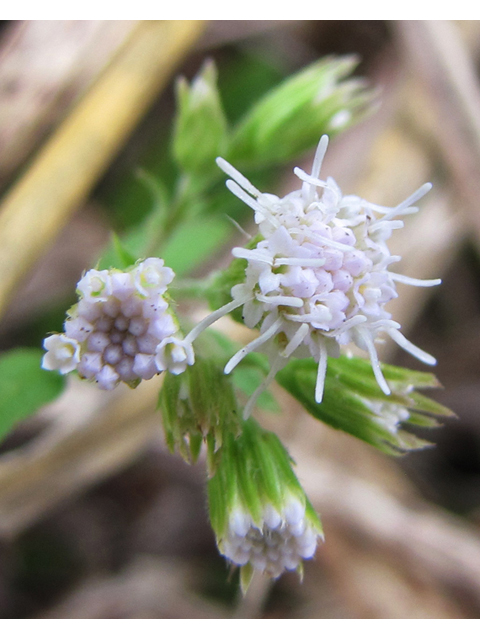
[(200, 127), (261, 516), (286, 122), (354, 403)]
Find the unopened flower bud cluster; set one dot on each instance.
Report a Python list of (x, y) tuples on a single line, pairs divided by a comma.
[(122, 329), (276, 544)]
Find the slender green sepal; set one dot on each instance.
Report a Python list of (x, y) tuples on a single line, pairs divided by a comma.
[(246, 575), (198, 406)]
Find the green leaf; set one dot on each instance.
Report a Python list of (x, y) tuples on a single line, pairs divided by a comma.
[(24, 386), (126, 196), (135, 244)]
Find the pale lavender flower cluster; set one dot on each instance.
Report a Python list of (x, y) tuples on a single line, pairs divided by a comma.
[(280, 542), (122, 329), (320, 276)]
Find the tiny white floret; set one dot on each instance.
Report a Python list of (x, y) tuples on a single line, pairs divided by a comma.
[(174, 354), (62, 353)]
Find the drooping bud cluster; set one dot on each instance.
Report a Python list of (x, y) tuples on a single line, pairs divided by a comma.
[(261, 516), (122, 329), (278, 542), (319, 278)]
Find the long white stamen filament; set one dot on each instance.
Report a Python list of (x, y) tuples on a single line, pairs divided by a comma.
[(384, 324), (299, 317), (300, 262), (372, 352), (287, 301), (321, 372), (297, 340), (216, 315), (415, 282), (245, 234), (332, 243), (401, 208), (227, 168), (322, 240), (311, 180), (386, 224), (405, 344), (242, 195), (252, 254), (348, 324), (317, 318), (416, 195), (256, 205), (387, 210), (251, 346), (319, 156)]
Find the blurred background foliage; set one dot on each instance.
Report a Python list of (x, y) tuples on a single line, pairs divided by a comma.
[(97, 520)]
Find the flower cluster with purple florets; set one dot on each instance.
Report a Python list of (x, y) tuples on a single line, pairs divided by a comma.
[(319, 278), (122, 329)]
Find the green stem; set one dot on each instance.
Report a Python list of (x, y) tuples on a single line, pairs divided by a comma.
[(193, 288)]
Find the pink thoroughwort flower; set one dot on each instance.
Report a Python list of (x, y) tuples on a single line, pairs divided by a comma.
[(122, 329), (319, 278)]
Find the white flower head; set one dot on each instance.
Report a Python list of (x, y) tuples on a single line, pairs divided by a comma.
[(320, 276), (113, 333)]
